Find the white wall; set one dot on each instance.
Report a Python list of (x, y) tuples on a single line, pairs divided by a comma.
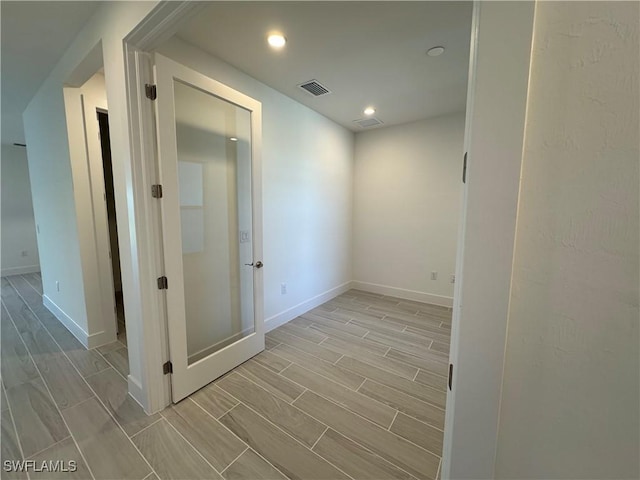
[(18, 224), (407, 203), (571, 382), (307, 192), (496, 104), (51, 177), (97, 327)]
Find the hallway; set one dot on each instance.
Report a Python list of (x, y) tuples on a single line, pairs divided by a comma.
[(353, 389)]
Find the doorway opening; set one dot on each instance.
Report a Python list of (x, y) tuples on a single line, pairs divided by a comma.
[(112, 223)]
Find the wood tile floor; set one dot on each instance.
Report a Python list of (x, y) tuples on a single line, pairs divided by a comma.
[(353, 389)]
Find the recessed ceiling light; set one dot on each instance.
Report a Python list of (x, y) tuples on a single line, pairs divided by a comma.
[(233, 139), (435, 51), (369, 111), (276, 40)]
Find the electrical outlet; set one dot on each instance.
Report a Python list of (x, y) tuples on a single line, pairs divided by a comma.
[(283, 288), (434, 275), (24, 253), (452, 279), (57, 286)]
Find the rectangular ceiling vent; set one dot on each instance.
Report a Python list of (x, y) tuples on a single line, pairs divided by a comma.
[(368, 122), (313, 87)]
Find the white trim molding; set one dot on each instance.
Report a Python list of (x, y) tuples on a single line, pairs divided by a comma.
[(423, 297), (136, 391), (66, 320), (283, 317), (89, 341), (20, 270)]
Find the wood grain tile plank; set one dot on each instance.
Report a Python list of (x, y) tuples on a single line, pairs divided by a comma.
[(304, 333), (335, 315), (300, 322), (383, 377), (270, 343), (113, 391), (340, 333), (271, 381), (404, 318), (388, 364), (271, 361), (283, 452), (15, 363), (38, 423), (356, 461), (404, 403), (32, 298), (378, 325), (432, 380), (293, 421), (35, 281), (9, 447), (250, 466), (389, 446), (86, 361), (354, 330), (361, 314), (438, 334), (429, 362), (308, 347), (22, 316), (419, 433), (109, 347), (3, 399), (214, 400), (337, 374), (66, 385), (214, 442), (441, 348), (389, 342), (356, 402), (170, 455), (101, 441), (391, 339), (399, 308), (119, 359), (353, 345), (66, 451)]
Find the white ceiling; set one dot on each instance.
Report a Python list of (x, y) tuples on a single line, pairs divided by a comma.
[(34, 37), (366, 53)]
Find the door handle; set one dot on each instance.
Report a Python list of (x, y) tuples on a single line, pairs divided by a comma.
[(258, 264)]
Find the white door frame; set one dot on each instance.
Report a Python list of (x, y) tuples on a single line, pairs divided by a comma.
[(502, 36)]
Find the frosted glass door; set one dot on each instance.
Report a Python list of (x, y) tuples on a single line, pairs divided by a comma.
[(213, 140), (208, 161)]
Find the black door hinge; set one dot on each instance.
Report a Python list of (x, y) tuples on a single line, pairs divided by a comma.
[(163, 283), (450, 375), (156, 191), (167, 367), (150, 91), (464, 168)]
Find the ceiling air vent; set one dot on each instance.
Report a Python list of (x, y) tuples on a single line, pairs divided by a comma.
[(314, 88), (368, 122)]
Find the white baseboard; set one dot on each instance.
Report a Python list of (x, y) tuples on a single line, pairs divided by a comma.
[(20, 270), (136, 391), (66, 320), (402, 293), (101, 338), (283, 317)]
